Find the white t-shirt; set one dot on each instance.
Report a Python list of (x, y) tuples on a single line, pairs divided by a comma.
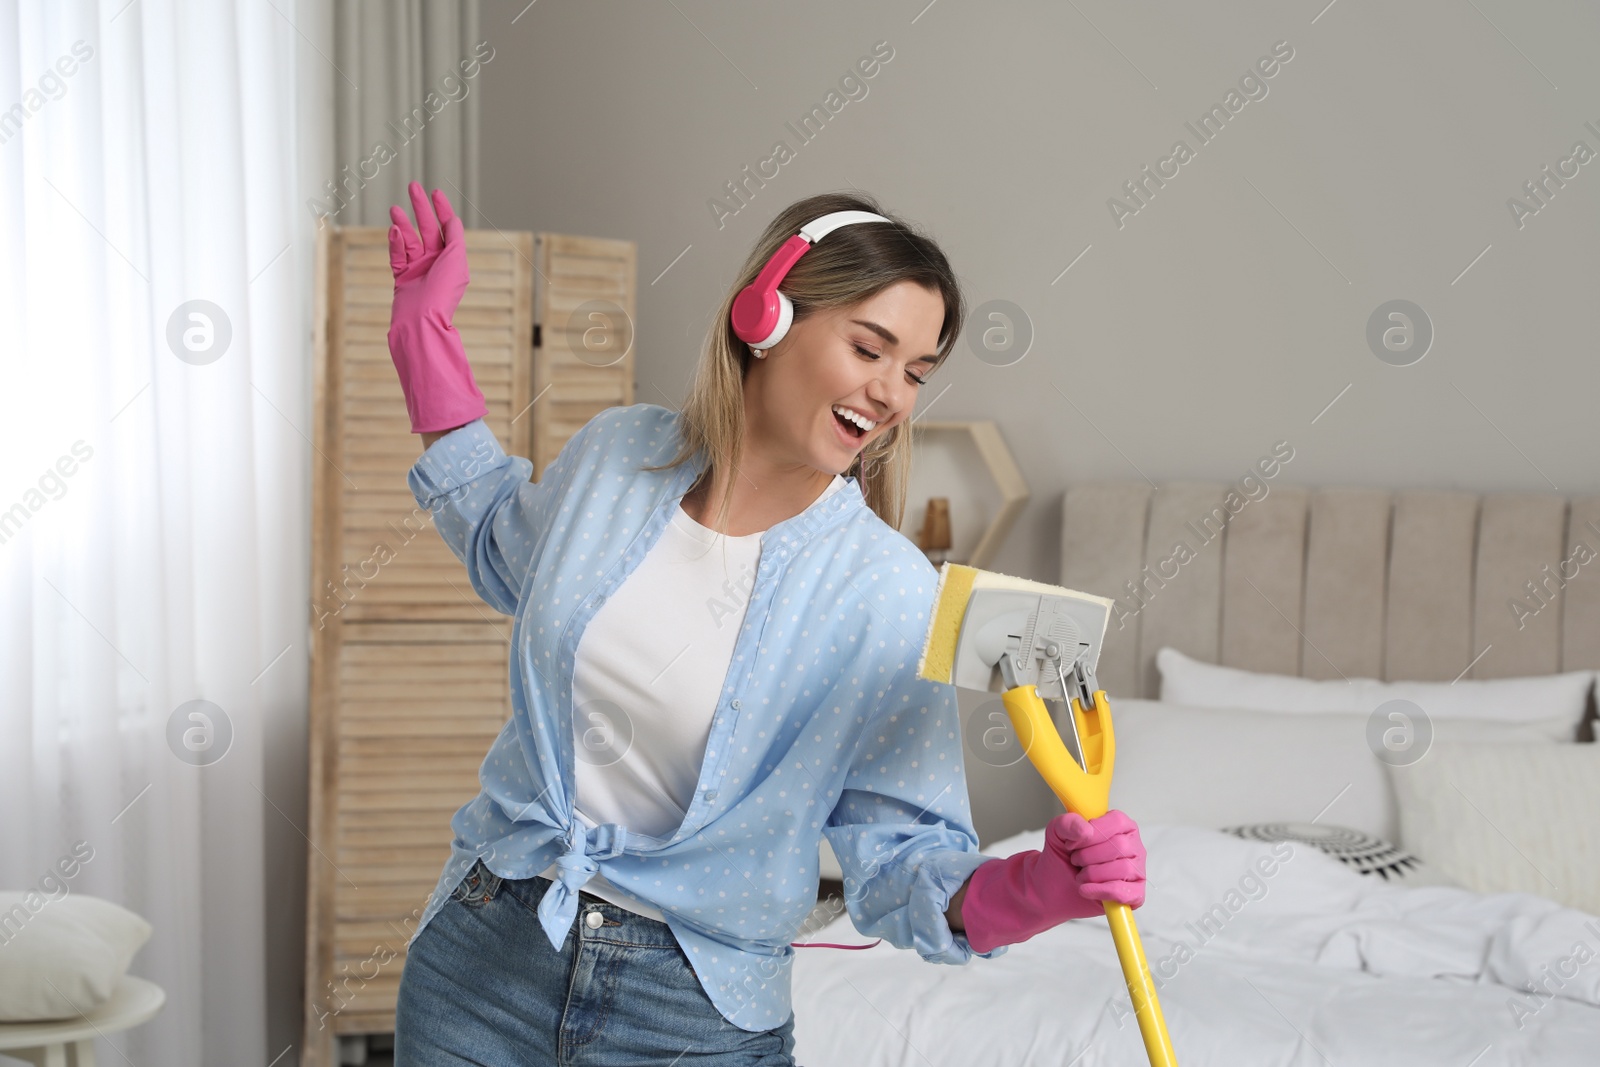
[(646, 677)]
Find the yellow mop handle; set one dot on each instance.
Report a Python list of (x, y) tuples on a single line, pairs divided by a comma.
[(1086, 790)]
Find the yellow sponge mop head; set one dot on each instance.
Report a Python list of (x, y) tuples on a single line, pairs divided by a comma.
[(957, 583), (938, 660)]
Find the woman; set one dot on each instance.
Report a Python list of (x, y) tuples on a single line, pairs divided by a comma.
[(624, 889)]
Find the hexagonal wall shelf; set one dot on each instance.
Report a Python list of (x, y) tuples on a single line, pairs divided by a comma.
[(969, 463)]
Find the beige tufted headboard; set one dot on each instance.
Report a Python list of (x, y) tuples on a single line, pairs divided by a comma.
[(1320, 583), (1336, 582)]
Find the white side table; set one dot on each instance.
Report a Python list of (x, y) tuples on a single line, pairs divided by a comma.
[(64, 1042)]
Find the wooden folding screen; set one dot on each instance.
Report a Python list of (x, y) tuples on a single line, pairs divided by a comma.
[(409, 680)]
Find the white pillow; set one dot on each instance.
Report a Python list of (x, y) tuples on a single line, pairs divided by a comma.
[(81, 944), (1508, 817), (1557, 700), (1220, 767)]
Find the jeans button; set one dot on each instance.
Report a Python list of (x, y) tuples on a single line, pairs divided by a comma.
[(593, 920)]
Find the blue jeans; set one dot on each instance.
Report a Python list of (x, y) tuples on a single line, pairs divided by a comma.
[(481, 985)]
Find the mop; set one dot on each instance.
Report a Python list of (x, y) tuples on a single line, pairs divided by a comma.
[(1044, 641)]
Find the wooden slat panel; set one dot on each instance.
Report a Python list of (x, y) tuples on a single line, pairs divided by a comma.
[(458, 709), (1519, 534), (384, 904), (376, 400), (410, 795), (396, 601), (468, 609), (405, 527), (416, 571), (383, 371), (410, 669), (414, 685), (383, 820), (402, 834), (479, 306), (421, 730), (404, 595), (426, 652), (354, 675), (1347, 558), (575, 375), (402, 520), (1429, 632), (352, 991), (329, 337), (390, 631), (410, 679), (398, 871), (352, 1021), (409, 526), (359, 935), (1188, 522)]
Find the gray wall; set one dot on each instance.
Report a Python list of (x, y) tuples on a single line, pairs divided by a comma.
[(1227, 314)]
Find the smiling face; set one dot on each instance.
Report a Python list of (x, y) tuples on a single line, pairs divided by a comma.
[(866, 357)]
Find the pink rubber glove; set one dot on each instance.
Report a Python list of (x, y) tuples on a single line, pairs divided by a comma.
[(430, 276), (1084, 862)]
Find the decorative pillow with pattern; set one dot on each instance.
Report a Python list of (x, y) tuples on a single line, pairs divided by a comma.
[(1361, 852)]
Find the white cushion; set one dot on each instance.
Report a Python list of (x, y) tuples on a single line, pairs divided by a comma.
[(62, 957), (1508, 817), (1557, 701), (1219, 767)]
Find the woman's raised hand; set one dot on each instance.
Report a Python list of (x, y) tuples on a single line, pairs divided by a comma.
[(430, 277)]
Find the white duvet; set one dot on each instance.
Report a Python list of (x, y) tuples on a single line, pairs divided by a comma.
[(1271, 954)]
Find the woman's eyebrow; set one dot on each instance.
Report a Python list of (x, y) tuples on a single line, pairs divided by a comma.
[(883, 332)]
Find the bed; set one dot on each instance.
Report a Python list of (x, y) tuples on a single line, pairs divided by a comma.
[(1317, 892)]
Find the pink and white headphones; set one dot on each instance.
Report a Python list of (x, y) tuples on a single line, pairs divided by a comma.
[(761, 314)]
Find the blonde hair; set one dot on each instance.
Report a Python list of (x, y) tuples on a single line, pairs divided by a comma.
[(852, 264)]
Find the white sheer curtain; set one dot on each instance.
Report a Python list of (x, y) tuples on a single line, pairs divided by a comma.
[(154, 486), (409, 76)]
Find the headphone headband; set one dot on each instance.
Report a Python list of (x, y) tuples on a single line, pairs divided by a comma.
[(817, 229), (761, 314)]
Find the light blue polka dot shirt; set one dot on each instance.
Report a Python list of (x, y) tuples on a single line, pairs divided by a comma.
[(823, 728)]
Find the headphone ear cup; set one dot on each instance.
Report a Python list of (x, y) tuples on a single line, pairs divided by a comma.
[(754, 313), (761, 316), (785, 320)]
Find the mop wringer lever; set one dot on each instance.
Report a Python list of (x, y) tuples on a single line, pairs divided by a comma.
[(1031, 641)]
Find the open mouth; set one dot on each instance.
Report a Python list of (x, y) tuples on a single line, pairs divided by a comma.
[(850, 423)]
